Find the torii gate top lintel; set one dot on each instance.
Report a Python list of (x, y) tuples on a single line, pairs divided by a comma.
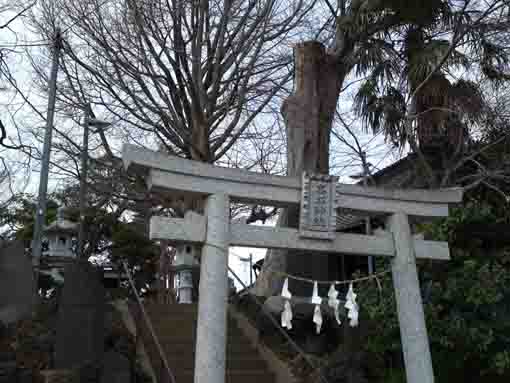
[(167, 172)]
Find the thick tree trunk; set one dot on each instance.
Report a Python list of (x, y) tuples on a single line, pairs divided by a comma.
[(200, 149), (308, 114)]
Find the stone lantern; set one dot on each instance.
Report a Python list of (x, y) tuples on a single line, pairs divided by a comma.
[(60, 234), (185, 262)]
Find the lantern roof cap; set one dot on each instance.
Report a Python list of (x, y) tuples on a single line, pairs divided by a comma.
[(61, 225)]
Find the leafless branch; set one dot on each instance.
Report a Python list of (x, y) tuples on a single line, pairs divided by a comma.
[(19, 14)]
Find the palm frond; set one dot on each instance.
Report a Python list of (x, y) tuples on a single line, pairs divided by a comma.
[(425, 59), (394, 111), (365, 104), (466, 97), (455, 18), (377, 55), (386, 71), (384, 112), (423, 13), (363, 15), (495, 53), (417, 12), (495, 61)]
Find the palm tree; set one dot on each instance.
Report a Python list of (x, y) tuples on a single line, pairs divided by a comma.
[(411, 92)]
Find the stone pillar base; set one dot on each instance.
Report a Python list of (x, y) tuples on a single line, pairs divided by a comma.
[(60, 376)]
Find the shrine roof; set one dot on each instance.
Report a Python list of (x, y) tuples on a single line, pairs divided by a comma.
[(62, 226), (397, 174)]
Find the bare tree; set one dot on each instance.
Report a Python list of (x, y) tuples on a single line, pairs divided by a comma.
[(189, 78), (189, 75), (10, 14)]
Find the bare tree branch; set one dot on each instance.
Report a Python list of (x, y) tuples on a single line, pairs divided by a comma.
[(19, 14)]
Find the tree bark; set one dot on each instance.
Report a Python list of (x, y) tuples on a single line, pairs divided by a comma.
[(200, 149), (308, 115)]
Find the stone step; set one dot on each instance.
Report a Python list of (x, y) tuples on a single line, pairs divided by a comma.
[(189, 336), (184, 324), (172, 309), (233, 349), (187, 325), (169, 306), (175, 326), (179, 317), (233, 343), (231, 379), (190, 333), (186, 362), (246, 376)]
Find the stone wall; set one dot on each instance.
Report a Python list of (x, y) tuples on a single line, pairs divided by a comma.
[(17, 284), (80, 329)]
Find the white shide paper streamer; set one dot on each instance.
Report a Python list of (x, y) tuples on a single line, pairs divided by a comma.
[(352, 307)]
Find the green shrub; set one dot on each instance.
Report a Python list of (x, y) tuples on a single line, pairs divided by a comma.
[(466, 300)]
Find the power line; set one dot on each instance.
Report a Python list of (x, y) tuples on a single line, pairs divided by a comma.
[(82, 17), (40, 43)]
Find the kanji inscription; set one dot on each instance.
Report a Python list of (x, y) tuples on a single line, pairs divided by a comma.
[(318, 215)]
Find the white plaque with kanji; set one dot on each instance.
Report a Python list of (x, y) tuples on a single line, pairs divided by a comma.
[(318, 213)]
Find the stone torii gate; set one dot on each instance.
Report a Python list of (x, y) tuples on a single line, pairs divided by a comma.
[(320, 197)]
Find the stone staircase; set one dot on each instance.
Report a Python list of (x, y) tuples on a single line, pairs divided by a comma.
[(175, 326)]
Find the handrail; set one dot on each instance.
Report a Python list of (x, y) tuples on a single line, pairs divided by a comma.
[(296, 347), (149, 325)]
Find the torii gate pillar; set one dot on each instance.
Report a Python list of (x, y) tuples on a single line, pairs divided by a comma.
[(413, 331), (210, 352)]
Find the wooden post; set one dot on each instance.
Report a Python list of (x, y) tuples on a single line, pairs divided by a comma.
[(415, 344), (210, 352)]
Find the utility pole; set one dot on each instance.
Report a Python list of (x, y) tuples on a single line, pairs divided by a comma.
[(88, 121), (251, 270), (368, 225), (83, 181), (40, 214)]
